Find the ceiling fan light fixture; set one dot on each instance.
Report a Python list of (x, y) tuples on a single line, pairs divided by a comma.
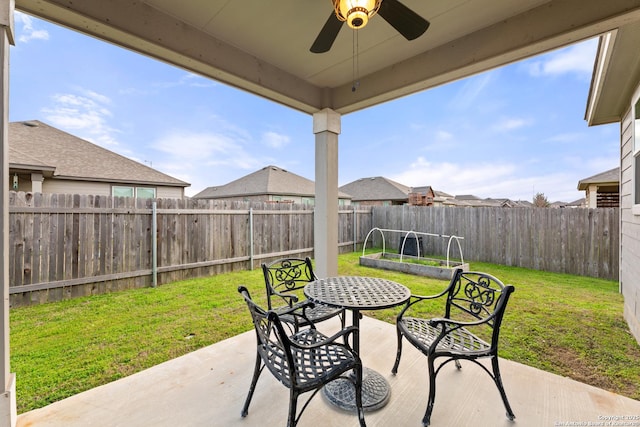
[(356, 13)]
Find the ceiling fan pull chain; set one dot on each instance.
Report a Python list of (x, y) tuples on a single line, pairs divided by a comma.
[(356, 63)]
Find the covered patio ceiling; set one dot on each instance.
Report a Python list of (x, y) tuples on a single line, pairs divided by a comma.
[(263, 46)]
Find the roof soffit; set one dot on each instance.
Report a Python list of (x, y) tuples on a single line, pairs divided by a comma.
[(616, 75), (279, 71)]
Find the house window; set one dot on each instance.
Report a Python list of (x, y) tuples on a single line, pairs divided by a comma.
[(137, 192), (636, 149), (122, 191), (145, 192)]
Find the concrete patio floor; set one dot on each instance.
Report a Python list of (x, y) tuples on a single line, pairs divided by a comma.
[(208, 387)]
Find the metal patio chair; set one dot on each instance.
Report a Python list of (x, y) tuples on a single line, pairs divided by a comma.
[(284, 278), (474, 307), (302, 361)]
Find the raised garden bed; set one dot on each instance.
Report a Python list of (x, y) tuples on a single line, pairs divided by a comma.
[(419, 266)]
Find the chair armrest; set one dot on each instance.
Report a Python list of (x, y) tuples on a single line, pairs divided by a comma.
[(423, 297), (290, 299), (329, 340), (298, 312), (414, 299), (297, 306), (439, 321)]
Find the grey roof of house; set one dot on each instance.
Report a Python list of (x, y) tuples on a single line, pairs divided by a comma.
[(376, 188), (442, 194), (579, 202), (455, 202), (467, 197), (422, 190), (467, 200), (34, 145), (608, 177), (524, 203), (270, 180)]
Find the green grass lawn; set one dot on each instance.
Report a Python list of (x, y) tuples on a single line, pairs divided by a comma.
[(568, 325)]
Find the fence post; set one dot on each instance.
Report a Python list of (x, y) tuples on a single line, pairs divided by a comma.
[(154, 244), (355, 231), (251, 237)]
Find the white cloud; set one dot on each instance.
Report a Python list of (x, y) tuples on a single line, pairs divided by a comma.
[(85, 114), (275, 140), (185, 144), (567, 137), (472, 89), (443, 135), (578, 58), (189, 80), (510, 123), (27, 32), (449, 177), (485, 179), (207, 150)]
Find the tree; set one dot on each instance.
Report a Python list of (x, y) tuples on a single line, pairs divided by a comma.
[(540, 201)]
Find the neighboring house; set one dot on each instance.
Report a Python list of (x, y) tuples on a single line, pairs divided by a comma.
[(614, 97), (475, 201), (377, 191), (440, 198), (602, 190), (422, 196), (469, 199), (428, 196), (580, 203), (269, 184), (43, 159)]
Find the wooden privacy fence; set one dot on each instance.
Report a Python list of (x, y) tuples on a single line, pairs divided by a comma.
[(575, 241), (64, 246)]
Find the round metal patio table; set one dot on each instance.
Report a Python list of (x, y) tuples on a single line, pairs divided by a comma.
[(358, 293)]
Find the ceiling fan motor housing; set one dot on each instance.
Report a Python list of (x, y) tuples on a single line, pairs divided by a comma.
[(357, 17), (356, 12)]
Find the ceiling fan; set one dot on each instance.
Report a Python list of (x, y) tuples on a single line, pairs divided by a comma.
[(356, 14)]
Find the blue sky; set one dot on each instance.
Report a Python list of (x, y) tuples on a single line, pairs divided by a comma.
[(510, 132)]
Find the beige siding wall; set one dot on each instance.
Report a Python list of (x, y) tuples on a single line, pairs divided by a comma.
[(629, 230), (169, 192), (61, 186)]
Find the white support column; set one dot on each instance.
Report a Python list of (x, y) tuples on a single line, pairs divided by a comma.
[(592, 196), (8, 413), (36, 182), (326, 127)]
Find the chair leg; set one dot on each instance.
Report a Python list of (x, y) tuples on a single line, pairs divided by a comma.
[(358, 385), (394, 370), (293, 408), (432, 392), (256, 374), (498, 380)]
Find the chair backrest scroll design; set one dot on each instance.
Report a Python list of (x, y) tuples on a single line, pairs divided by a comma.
[(286, 276), (481, 296)]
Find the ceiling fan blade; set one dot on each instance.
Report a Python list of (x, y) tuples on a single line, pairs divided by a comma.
[(404, 20), (327, 35)]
